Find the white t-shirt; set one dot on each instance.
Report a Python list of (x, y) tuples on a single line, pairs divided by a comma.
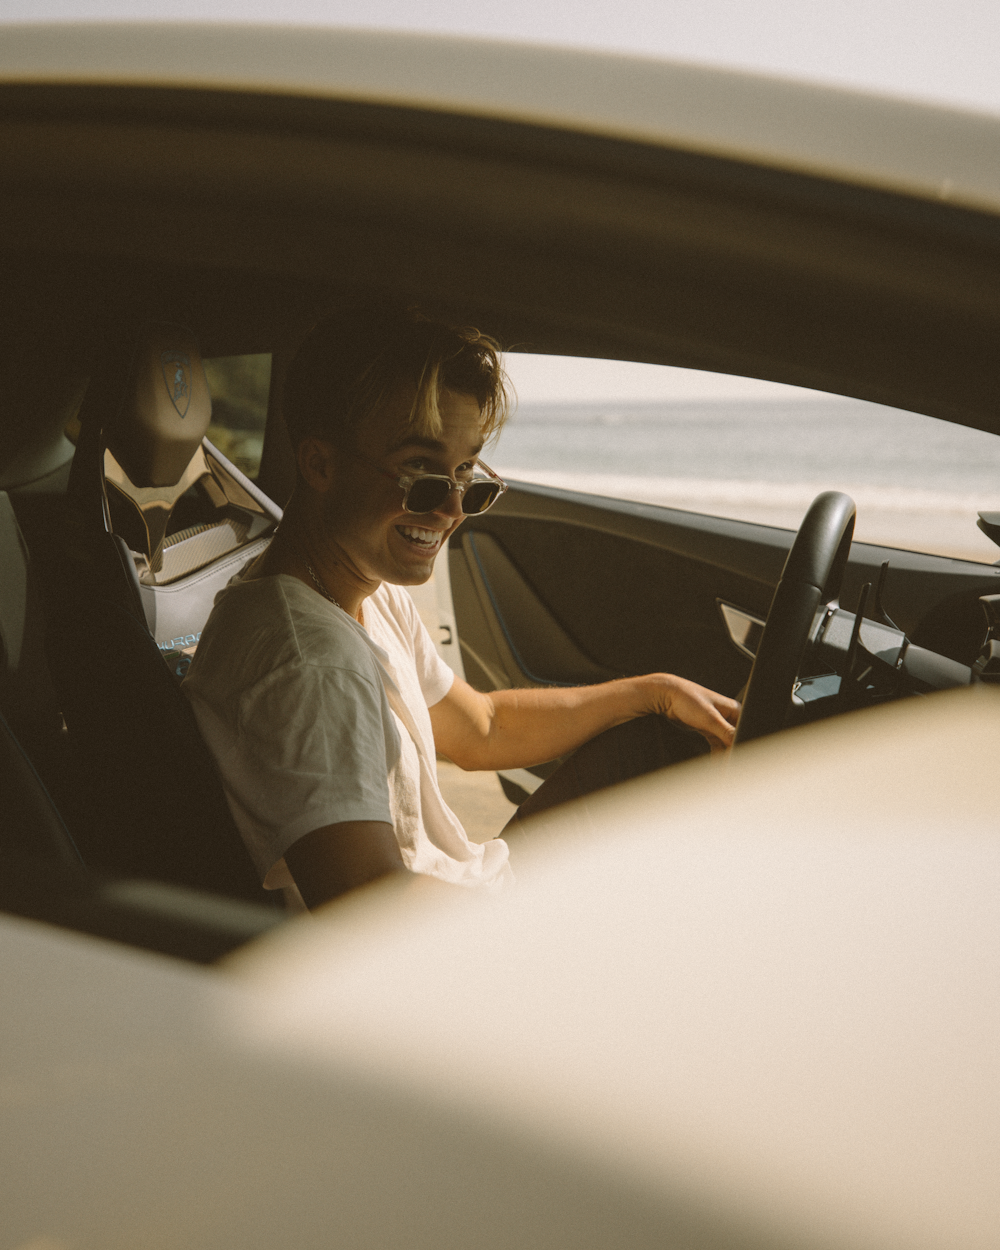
[(314, 719)]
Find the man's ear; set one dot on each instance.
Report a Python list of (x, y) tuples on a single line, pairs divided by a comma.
[(317, 460)]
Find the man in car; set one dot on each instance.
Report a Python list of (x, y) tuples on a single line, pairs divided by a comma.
[(315, 683)]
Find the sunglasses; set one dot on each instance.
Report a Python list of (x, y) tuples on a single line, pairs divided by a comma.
[(426, 492)]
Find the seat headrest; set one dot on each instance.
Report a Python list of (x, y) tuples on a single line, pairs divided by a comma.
[(167, 408)]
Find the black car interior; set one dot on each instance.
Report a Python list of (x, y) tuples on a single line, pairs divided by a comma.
[(121, 265), (45, 878), (157, 522), (119, 558)]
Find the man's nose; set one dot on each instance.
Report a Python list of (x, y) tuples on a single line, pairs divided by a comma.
[(452, 505)]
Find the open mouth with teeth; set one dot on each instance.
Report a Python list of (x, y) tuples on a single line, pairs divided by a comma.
[(423, 540)]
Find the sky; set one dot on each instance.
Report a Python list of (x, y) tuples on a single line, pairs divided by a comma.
[(561, 379), (943, 51)]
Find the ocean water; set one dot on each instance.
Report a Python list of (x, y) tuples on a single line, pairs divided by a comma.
[(784, 442), (918, 482)]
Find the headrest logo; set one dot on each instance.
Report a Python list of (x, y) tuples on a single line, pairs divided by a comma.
[(176, 367)]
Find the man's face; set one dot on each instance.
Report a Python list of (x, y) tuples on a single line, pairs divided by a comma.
[(364, 513)]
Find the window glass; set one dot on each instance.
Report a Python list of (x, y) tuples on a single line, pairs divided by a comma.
[(755, 451), (239, 386)]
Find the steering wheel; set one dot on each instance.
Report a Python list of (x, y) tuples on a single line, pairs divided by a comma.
[(812, 575)]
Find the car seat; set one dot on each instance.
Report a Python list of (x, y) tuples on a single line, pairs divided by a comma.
[(42, 874), (26, 696), (157, 522), (190, 518), (29, 710), (42, 877)]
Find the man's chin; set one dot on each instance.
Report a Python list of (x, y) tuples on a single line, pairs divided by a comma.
[(412, 567), (415, 574)]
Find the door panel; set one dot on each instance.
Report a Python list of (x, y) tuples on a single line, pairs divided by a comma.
[(553, 586), (510, 637)]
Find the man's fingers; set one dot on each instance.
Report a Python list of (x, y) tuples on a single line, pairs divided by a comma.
[(725, 734), (713, 715), (728, 708)]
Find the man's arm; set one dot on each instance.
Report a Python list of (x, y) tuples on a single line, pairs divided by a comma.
[(337, 858), (518, 728)]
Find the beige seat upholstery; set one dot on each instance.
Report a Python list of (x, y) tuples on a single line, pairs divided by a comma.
[(189, 517)]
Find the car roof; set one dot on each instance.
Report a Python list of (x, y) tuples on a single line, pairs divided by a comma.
[(920, 149)]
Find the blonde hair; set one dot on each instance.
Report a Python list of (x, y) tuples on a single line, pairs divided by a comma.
[(352, 363)]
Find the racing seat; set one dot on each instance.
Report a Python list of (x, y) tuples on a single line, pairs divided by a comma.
[(26, 696), (32, 737), (157, 522), (189, 517)]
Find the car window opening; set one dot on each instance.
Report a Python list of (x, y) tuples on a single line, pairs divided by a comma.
[(749, 450)]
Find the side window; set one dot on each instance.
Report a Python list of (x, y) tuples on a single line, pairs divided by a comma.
[(755, 451), (239, 386)]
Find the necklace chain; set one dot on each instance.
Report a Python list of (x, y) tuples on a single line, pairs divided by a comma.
[(320, 587)]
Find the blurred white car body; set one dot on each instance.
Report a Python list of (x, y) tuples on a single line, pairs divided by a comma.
[(720, 1009), (888, 142)]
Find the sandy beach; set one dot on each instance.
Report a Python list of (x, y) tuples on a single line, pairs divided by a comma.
[(892, 516)]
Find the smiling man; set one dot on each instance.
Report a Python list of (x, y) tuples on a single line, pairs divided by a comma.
[(315, 683)]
